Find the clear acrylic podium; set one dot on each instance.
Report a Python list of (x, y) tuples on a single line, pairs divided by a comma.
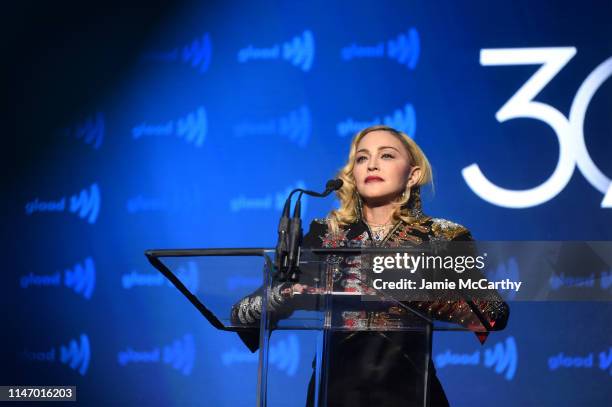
[(318, 314)]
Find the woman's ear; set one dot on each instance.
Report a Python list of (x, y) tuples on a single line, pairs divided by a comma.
[(414, 176)]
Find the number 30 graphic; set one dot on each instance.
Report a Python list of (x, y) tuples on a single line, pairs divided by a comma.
[(569, 132)]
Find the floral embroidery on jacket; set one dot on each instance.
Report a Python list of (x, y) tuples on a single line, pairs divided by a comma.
[(334, 241), (349, 276)]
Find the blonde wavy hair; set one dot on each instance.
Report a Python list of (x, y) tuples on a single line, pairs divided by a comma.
[(407, 207)]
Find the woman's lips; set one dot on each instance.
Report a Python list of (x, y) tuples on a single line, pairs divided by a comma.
[(373, 179)]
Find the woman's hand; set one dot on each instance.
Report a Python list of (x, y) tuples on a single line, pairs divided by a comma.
[(293, 289)]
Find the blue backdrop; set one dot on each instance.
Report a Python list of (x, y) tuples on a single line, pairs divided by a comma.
[(186, 125)]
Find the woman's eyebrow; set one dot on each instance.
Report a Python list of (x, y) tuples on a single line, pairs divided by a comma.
[(382, 148), (365, 150)]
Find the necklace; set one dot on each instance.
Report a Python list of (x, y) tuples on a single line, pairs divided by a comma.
[(379, 231)]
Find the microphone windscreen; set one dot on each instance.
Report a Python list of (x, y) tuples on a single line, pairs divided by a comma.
[(334, 184)]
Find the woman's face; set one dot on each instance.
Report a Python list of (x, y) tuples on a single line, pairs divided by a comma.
[(382, 167)]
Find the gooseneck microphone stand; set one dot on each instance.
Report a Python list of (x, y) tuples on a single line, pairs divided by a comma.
[(290, 233)]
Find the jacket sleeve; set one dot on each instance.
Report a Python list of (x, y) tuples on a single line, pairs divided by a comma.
[(247, 311), (491, 306), (474, 313)]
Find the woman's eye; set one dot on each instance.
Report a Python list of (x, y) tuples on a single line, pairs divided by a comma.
[(387, 155), (360, 159)]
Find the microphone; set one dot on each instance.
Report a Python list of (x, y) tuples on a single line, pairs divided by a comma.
[(289, 243), (295, 240), (332, 185), (280, 258), (295, 227)]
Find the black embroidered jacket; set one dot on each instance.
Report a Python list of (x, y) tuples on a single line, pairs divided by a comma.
[(373, 367)]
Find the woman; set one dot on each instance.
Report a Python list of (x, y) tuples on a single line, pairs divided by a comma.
[(380, 206)]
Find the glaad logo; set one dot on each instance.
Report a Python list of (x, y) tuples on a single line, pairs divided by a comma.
[(403, 119), (180, 355), (285, 356), (605, 360), (186, 199), (187, 273), (91, 130), (563, 361), (269, 201), (296, 127), (405, 49), (81, 279), (508, 270), (503, 358), (569, 130), (86, 204), (76, 355), (561, 280), (198, 54), (299, 51), (191, 128)]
